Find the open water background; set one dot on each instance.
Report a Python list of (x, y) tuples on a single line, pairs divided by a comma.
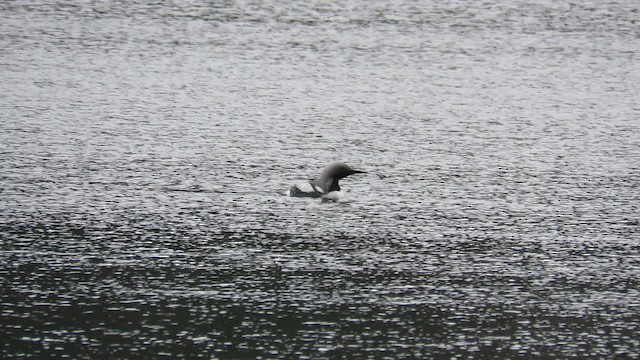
[(146, 149)]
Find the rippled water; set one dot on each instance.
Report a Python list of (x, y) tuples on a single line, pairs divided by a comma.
[(147, 148)]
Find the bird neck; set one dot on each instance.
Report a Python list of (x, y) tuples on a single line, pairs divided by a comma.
[(333, 185)]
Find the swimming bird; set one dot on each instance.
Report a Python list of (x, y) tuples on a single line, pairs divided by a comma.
[(326, 185)]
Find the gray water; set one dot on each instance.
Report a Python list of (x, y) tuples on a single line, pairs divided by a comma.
[(147, 148)]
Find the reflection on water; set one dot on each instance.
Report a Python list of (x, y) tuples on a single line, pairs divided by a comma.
[(147, 151)]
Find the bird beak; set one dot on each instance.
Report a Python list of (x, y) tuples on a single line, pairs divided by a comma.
[(359, 172)]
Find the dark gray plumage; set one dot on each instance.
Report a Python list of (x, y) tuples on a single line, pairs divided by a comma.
[(326, 183)]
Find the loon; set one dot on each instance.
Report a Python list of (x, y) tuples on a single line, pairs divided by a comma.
[(326, 185)]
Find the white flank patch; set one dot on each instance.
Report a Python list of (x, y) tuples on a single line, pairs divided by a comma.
[(334, 195)]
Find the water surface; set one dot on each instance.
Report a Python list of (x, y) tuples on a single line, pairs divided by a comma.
[(146, 151)]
